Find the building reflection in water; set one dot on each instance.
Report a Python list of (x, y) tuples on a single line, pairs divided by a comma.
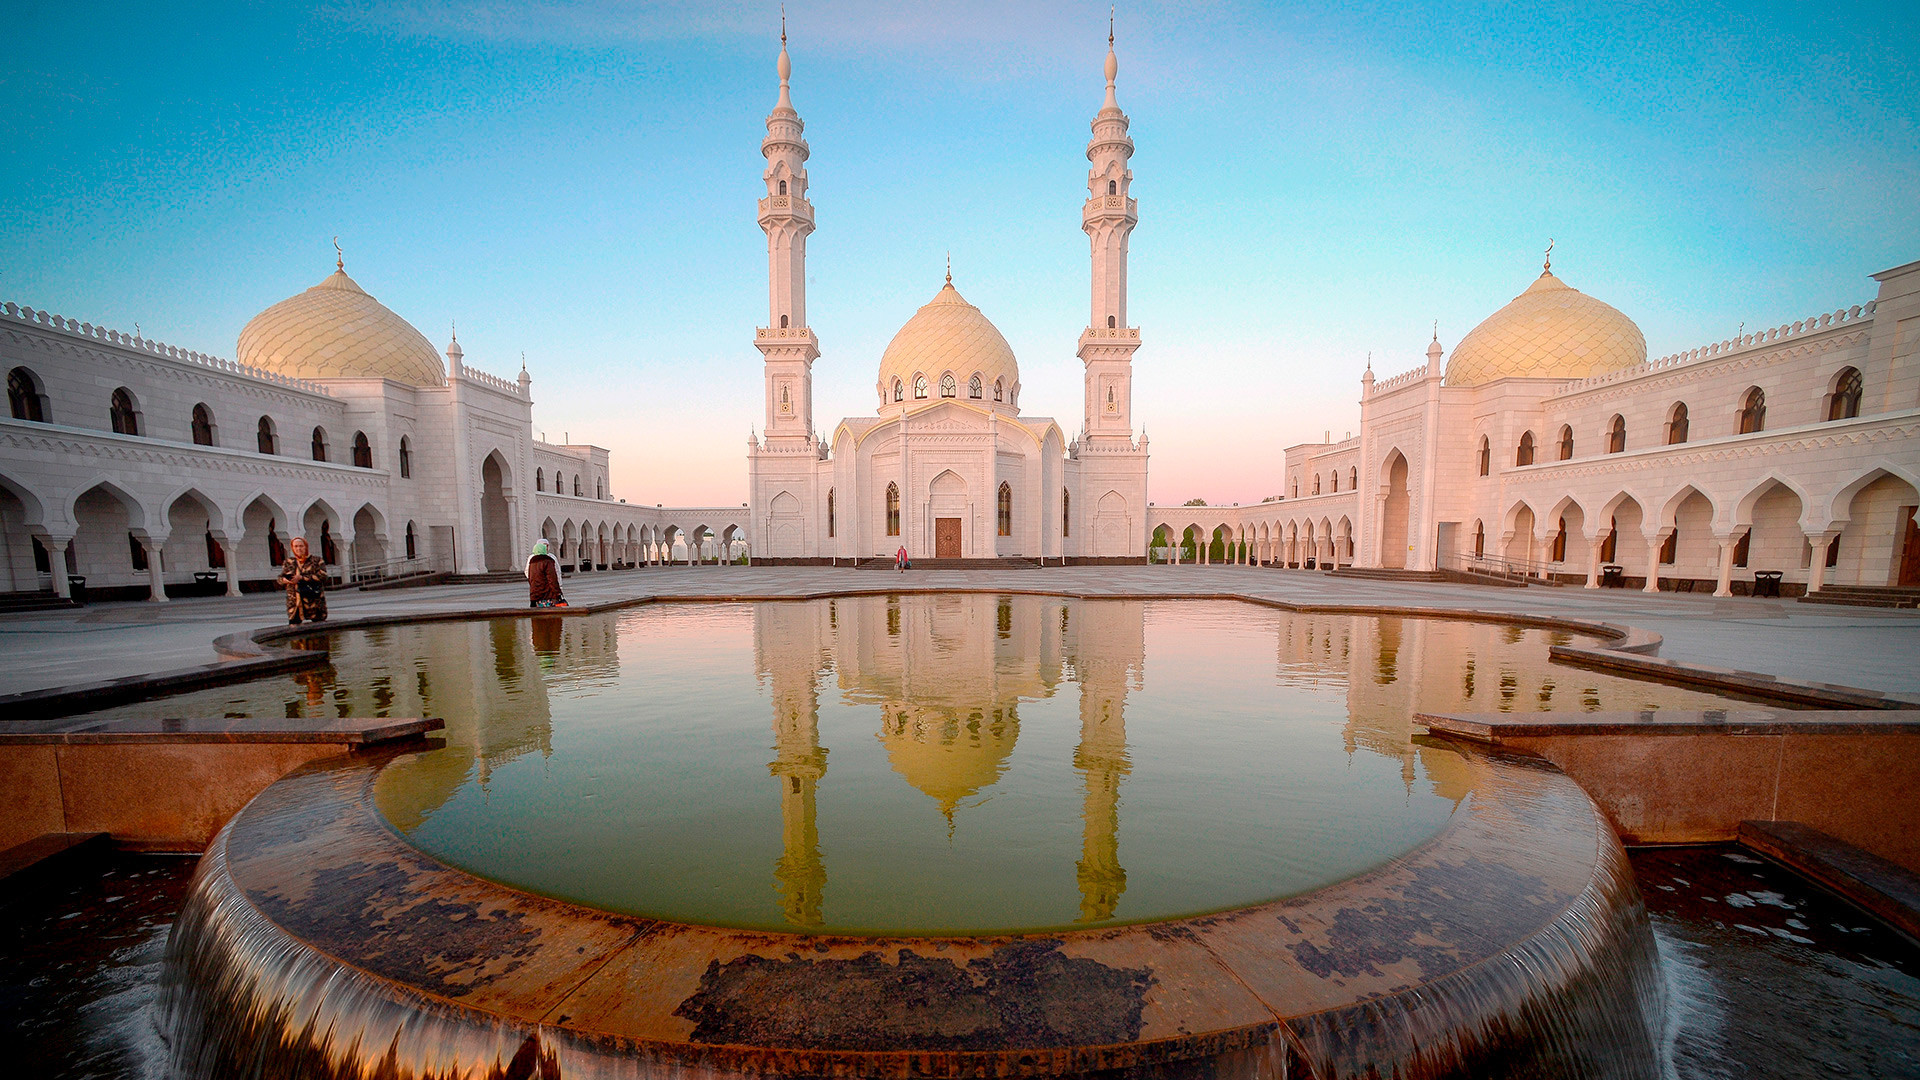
[(948, 673)]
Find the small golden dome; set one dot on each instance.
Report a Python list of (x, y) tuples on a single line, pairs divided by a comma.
[(949, 335), (947, 754), (336, 331), (1551, 331)]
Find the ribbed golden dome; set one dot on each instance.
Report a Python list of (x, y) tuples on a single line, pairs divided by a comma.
[(948, 754), (948, 335), (336, 331), (1551, 331)]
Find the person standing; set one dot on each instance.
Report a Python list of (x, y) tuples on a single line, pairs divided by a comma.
[(900, 560), (543, 579), (304, 576)]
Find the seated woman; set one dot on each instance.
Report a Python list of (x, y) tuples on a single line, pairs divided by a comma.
[(304, 576), (543, 578)]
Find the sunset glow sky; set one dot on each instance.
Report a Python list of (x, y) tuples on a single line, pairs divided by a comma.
[(577, 181)]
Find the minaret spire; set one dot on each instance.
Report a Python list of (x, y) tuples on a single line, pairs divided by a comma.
[(1108, 219), (786, 216)]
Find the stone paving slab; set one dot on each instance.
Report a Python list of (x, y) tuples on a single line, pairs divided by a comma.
[(1493, 727), (1874, 649)]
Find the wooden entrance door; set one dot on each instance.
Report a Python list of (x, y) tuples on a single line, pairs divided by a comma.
[(946, 538), (1910, 554)]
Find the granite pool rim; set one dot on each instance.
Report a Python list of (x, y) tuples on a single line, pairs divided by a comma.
[(1626, 649), (1236, 981)]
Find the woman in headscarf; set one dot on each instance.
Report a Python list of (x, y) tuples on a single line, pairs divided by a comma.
[(543, 578), (304, 576)]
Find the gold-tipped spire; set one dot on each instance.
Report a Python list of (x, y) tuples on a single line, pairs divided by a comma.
[(1110, 8), (949, 267), (1547, 266), (339, 257), (783, 26)]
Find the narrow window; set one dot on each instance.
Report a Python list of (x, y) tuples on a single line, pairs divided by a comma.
[(276, 551), (1486, 456), (411, 542), (1005, 510), (1833, 553), (783, 191), (1560, 543), (138, 550), (406, 459), (576, 483), (948, 387), (893, 510), (1741, 547), (1113, 187), (362, 451), (327, 553), (1844, 406), (1353, 478), (783, 322), (1524, 455), (216, 558), (540, 479), (120, 412), (1677, 426), (1333, 479), (1753, 414), (1316, 483), (1617, 435), (830, 513), (319, 444), (996, 389), (973, 387), (1566, 442), (42, 561), (1066, 512), (23, 396), (1479, 540), (1611, 545), (919, 387), (265, 436), (202, 425), (1670, 548), (899, 393), (1111, 322)]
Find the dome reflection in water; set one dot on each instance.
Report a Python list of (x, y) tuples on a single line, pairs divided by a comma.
[(933, 763)]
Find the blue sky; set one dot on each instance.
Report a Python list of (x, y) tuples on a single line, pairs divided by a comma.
[(576, 180)]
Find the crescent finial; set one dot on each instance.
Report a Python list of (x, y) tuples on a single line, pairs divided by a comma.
[(339, 257)]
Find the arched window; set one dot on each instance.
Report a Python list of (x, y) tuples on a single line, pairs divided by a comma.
[(319, 444), (1486, 456), (899, 392), (406, 458), (1066, 512), (1112, 322), (948, 387), (1617, 435), (1560, 543), (783, 322), (1479, 539), (919, 387), (1753, 412), (264, 437), (599, 487), (1524, 455), (893, 510), (121, 412), (24, 398), (1353, 478), (576, 483), (1846, 396), (202, 425), (1333, 480), (830, 513), (540, 479), (783, 191), (973, 387), (1566, 442), (1004, 510), (412, 545), (1113, 187), (362, 451), (996, 389), (1316, 483), (1677, 424)]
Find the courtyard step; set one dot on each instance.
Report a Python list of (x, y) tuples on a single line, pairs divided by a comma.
[(1380, 573), (997, 563), (44, 600), (1886, 596)]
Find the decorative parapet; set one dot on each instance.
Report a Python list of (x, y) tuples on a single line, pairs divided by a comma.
[(1110, 333), (1758, 339), (495, 382), (1405, 378), (791, 333), (48, 321)]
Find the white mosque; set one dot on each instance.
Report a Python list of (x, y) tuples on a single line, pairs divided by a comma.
[(1548, 446)]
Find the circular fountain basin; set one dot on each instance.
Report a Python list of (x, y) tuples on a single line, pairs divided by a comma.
[(1487, 924)]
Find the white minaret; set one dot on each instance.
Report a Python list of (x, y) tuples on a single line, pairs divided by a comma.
[(1108, 344), (787, 217)]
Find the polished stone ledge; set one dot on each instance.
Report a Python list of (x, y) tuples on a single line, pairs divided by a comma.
[(349, 732), (1496, 727)]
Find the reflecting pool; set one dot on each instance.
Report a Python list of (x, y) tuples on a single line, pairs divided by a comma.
[(928, 764)]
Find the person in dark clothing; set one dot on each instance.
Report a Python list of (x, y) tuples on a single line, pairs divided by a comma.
[(304, 577), (543, 579)]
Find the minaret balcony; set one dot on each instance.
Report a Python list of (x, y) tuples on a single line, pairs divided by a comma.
[(775, 207), (1110, 207)]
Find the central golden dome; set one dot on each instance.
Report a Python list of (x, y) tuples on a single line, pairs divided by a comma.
[(949, 335), (1551, 331), (336, 331)]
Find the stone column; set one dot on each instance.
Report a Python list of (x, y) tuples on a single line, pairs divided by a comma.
[(1817, 566), (1727, 544), (56, 546), (230, 553), (1593, 560), (156, 575), (1653, 560)]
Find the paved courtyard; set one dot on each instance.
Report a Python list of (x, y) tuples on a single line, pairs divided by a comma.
[(1863, 647)]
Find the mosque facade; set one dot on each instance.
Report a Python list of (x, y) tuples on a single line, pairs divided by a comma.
[(1548, 445), (948, 467)]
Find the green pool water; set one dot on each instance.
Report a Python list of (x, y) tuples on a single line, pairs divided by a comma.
[(930, 764)]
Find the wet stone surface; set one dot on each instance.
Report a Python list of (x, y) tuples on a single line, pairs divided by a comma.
[(1768, 976), (80, 957)]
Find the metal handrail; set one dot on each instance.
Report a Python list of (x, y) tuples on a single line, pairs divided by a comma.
[(393, 568), (1498, 566)]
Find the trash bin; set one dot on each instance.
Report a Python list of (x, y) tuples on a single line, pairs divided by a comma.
[(77, 588), (1767, 583), (1613, 576), (1311, 563)]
